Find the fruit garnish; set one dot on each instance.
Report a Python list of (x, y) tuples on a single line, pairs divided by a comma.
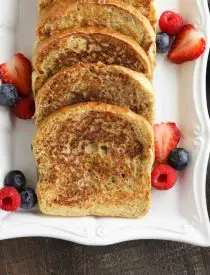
[(171, 22), (188, 45), (24, 109), (17, 71), (28, 198), (178, 158), (162, 42), (15, 179), (167, 136), (9, 199), (163, 177), (8, 95)]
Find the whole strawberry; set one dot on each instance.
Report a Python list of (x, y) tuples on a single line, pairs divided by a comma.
[(24, 109)]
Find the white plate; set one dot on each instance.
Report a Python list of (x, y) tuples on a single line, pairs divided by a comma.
[(179, 214)]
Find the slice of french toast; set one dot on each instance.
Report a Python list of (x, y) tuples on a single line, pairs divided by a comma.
[(87, 45), (146, 7), (110, 84), (94, 159), (110, 14)]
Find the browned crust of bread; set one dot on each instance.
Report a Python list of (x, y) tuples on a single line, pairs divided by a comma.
[(110, 84), (135, 203)]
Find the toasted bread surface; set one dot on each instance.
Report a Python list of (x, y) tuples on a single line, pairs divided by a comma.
[(88, 45), (110, 84), (111, 14), (94, 159), (93, 63), (146, 7)]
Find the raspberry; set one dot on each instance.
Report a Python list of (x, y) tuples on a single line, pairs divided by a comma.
[(9, 199), (171, 22), (24, 108), (163, 177)]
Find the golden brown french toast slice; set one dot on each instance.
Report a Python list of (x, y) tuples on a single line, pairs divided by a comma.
[(146, 7), (87, 45), (94, 159), (111, 14), (110, 84)]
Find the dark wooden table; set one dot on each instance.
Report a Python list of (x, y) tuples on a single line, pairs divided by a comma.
[(42, 256)]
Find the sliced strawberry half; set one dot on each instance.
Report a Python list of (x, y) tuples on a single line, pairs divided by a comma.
[(17, 71), (188, 45), (167, 137)]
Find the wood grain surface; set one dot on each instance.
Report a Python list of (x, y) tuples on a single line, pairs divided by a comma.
[(43, 256)]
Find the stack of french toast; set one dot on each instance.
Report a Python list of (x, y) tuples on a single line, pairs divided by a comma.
[(93, 66)]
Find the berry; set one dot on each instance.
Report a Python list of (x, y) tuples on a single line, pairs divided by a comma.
[(9, 199), (15, 179), (163, 177), (8, 95), (17, 71), (162, 42), (171, 22), (28, 198), (24, 108), (178, 158), (188, 45), (167, 136)]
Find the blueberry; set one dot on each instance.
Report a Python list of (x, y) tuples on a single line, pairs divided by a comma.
[(8, 95), (15, 179), (162, 42), (28, 198), (178, 158)]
